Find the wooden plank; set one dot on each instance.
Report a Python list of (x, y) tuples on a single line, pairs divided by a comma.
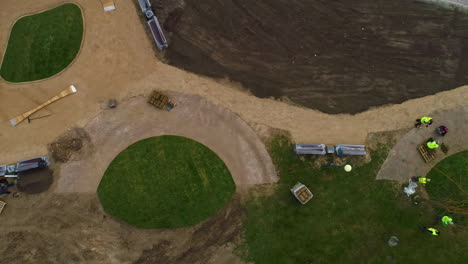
[(15, 121), (2, 205)]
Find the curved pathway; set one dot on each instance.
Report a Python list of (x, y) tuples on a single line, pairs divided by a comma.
[(404, 160), (222, 131)]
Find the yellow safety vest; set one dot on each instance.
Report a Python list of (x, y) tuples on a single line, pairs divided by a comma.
[(432, 145), (446, 220), (433, 230), (422, 180), (426, 119)]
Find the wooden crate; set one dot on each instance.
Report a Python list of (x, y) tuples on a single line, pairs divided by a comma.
[(157, 97), (161, 101), (304, 194), (426, 154)]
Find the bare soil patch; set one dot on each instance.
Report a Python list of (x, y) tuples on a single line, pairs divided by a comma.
[(338, 57), (72, 228), (224, 227), (72, 143)]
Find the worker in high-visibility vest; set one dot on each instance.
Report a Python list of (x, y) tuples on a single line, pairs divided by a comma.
[(442, 130), (425, 120), (423, 180), (446, 220), (432, 230), (432, 144)]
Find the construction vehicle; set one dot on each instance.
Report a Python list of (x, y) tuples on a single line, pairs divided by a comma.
[(161, 101), (11, 171), (302, 193), (153, 25)]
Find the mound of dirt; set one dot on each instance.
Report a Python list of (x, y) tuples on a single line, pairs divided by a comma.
[(336, 56), (35, 181), (70, 145)]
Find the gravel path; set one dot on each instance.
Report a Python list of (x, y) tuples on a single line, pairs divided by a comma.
[(213, 125), (404, 160)]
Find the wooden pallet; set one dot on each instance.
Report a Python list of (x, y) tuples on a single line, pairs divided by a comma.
[(161, 101), (426, 154), (2, 205)]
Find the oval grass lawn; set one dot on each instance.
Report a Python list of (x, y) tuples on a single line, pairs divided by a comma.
[(43, 44), (165, 182)]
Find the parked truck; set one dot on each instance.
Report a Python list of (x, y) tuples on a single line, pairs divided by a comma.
[(153, 24), (23, 165)]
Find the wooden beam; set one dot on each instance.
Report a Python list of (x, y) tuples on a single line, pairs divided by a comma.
[(70, 90)]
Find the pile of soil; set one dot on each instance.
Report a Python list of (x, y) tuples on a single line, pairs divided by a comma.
[(336, 56), (35, 181), (71, 143)]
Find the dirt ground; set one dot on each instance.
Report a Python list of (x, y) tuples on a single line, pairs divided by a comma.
[(75, 143), (114, 130), (73, 228), (337, 57), (220, 230), (117, 61), (68, 225)]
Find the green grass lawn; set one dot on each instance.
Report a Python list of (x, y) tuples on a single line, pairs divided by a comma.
[(349, 220), (449, 187), (165, 182), (42, 45)]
